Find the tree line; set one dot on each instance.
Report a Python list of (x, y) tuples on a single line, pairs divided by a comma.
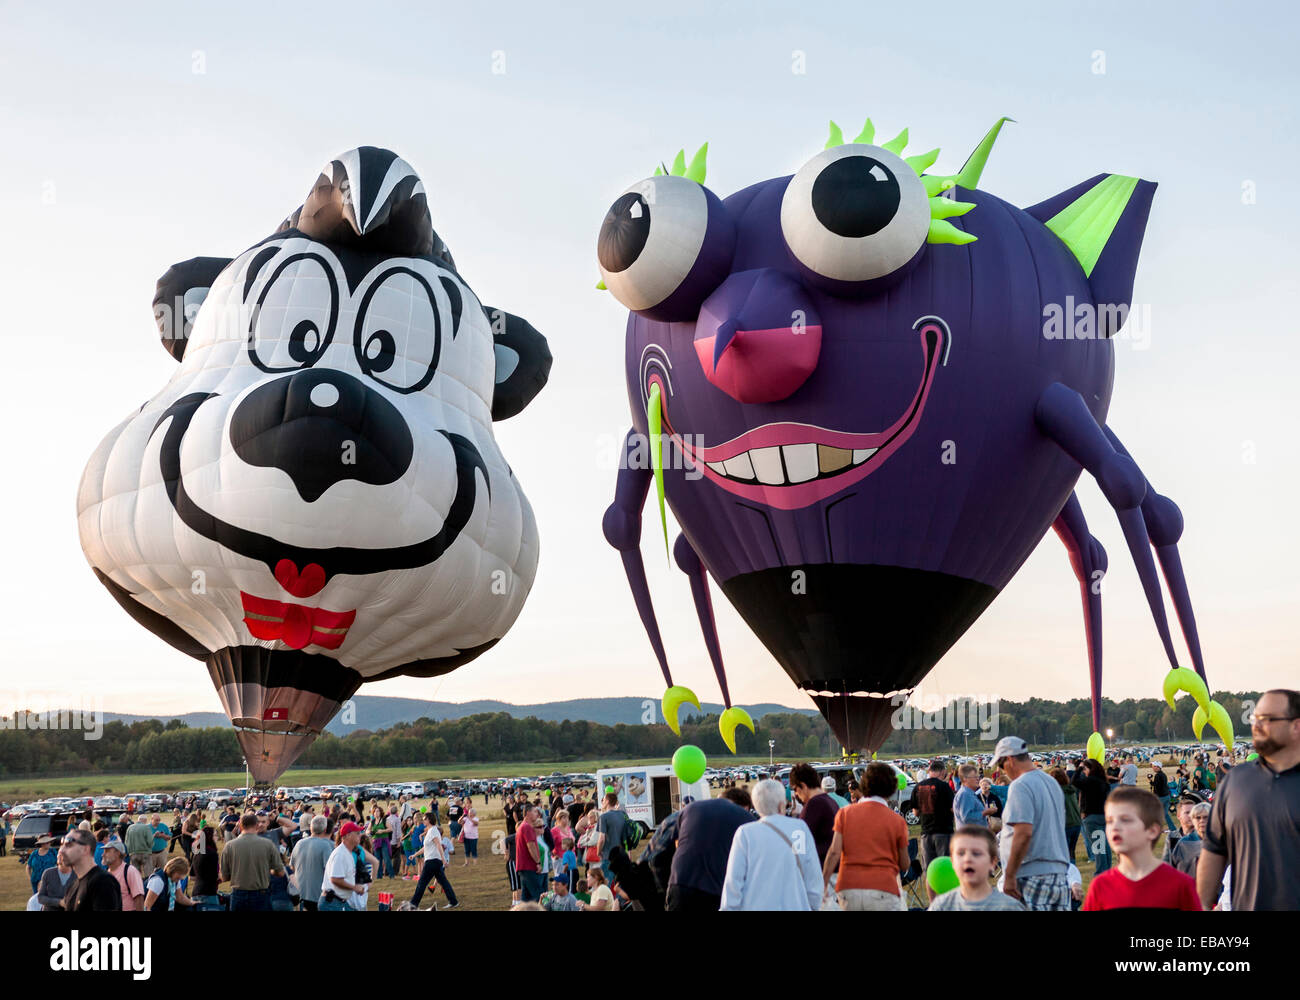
[(154, 746)]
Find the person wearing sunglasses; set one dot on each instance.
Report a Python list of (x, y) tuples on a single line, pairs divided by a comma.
[(1251, 826), (92, 888)]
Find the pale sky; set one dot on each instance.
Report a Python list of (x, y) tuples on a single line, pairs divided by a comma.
[(134, 137)]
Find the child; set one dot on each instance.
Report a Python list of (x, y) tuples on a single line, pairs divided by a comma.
[(974, 849), (1140, 881), (566, 864)]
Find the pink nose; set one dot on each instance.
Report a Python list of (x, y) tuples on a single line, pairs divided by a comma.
[(758, 337)]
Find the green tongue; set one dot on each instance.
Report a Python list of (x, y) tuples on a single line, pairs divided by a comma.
[(654, 418)]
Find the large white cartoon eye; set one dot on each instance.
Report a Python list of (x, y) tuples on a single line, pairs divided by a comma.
[(398, 336), (664, 245), (293, 319), (854, 213)]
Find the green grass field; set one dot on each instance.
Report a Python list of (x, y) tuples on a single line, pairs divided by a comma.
[(92, 784)]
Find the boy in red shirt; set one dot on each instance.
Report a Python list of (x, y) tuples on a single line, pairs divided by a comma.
[(1140, 881)]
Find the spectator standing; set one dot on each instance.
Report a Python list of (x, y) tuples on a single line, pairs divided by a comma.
[(310, 856), (528, 857), (1090, 780), (1073, 817), (819, 808), (1140, 880), (247, 863), (469, 832), (41, 860), (609, 830), (205, 871), (93, 889), (163, 891), (967, 807), (128, 878), (705, 830), (974, 849), (1032, 844), (1160, 789), (770, 866), (343, 886), (829, 786), (139, 845), (869, 848), (379, 834), (932, 799), (162, 838), (1252, 825), (53, 886)]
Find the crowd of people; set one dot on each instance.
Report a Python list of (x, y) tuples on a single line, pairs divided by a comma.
[(285, 857), (1010, 837), (1002, 840)]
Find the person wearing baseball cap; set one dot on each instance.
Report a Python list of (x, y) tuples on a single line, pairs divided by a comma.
[(559, 898), (341, 887), (1032, 844)]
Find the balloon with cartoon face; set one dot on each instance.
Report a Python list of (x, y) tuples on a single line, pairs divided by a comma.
[(867, 391), (316, 498)]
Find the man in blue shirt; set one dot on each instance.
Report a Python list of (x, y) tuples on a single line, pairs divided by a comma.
[(162, 838), (966, 806)]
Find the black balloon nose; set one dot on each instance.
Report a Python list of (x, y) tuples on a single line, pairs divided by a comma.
[(321, 427)]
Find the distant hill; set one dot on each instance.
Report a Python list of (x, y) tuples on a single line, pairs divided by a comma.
[(375, 713)]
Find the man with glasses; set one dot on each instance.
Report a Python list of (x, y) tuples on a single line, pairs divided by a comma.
[(1252, 820), (92, 888)]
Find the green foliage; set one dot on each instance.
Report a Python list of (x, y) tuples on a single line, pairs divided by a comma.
[(152, 747)]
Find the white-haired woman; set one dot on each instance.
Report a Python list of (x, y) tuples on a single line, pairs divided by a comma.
[(773, 863)]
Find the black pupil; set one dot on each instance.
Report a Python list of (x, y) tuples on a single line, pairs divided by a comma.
[(379, 352), (304, 342), (623, 233), (855, 196)]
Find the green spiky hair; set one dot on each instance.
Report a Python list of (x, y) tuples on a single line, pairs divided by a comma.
[(941, 208)]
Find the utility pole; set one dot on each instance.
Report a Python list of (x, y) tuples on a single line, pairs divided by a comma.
[(771, 749)]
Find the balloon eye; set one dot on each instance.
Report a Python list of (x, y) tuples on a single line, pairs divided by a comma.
[(380, 351), (854, 213), (304, 342), (398, 334), (664, 245), (624, 232), (293, 321), (855, 196)]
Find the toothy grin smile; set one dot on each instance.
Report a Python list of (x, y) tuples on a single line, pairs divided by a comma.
[(791, 465)]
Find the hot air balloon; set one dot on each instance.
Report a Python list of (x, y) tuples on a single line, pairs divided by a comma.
[(316, 499), (866, 392)]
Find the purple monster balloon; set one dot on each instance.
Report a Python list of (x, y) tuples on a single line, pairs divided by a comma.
[(865, 415)]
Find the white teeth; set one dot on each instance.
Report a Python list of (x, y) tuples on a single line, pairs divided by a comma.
[(740, 466), (788, 464), (767, 465), (800, 462)]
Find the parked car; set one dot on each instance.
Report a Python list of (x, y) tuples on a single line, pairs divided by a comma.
[(35, 825)]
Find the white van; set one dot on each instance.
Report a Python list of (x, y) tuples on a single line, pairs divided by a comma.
[(649, 792)]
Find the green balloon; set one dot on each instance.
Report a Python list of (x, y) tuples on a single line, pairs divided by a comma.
[(1253, 756), (689, 763), (941, 876), (610, 789), (902, 781)]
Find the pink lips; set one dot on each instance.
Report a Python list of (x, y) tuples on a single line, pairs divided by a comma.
[(789, 495)]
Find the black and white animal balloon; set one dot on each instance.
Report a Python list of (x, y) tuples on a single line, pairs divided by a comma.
[(316, 498)]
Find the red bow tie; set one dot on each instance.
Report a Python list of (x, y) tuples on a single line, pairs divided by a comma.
[(295, 624)]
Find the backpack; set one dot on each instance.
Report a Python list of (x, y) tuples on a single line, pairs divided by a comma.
[(633, 831)]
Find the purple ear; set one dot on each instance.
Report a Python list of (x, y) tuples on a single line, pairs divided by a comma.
[(1102, 221), (181, 290)]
